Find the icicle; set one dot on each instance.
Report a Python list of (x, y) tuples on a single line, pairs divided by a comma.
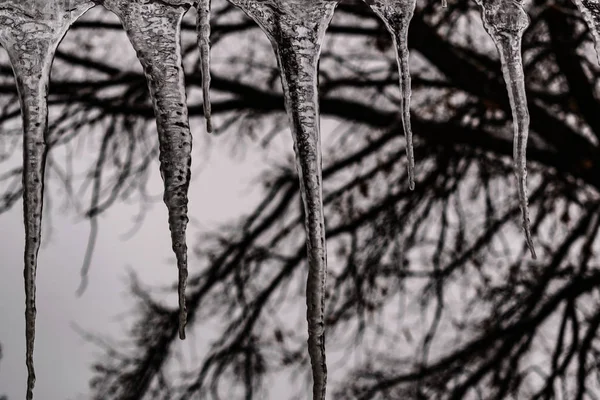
[(296, 29), (30, 31), (396, 15), (203, 28), (591, 14), (154, 28), (505, 21)]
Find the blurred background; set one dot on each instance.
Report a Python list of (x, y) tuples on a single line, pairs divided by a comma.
[(431, 293)]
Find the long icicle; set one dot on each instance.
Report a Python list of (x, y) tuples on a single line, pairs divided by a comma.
[(396, 15), (296, 29), (203, 28), (31, 31), (154, 29), (505, 21)]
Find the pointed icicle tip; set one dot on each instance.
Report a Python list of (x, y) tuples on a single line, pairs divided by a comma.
[(505, 22), (154, 30), (31, 60), (296, 30), (396, 16)]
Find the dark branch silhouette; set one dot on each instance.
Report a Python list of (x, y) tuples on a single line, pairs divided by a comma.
[(431, 294)]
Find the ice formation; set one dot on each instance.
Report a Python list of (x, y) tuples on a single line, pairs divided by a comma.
[(154, 28), (296, 29), (505, 21), (203, 24), (396, 15), (30, 31)]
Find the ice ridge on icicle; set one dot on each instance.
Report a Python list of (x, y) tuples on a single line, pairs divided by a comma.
[(505, 21), (30, 31), (296, 29), (154, 29), (396, 15)]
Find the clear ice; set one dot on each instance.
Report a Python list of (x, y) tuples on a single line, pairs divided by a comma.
[(154, 29), (591, 14), (30, 31), (505, 21), (203, 28), (296, 29), (396, 15)]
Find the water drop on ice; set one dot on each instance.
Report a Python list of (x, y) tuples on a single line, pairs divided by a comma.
[(396, 15), (30, 31), (505, 22), (154, 31), (296, 29)]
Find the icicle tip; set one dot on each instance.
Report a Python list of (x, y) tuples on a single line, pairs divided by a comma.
[(530, 244)]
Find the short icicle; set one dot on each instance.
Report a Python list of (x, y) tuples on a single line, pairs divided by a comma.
[(30, 31), (296, 29), (505, 21), (203, 28), (154, 28), (396, 15), (591, 15)]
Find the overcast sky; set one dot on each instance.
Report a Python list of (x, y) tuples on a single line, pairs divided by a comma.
[(219, 193)]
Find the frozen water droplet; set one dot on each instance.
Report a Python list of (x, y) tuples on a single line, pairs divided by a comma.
[(203, 27), (154, 28), (505, 22), (591, 14), (396, 15), (30, 31), (296, 29)]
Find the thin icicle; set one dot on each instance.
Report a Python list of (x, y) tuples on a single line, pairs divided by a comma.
[(296, 29), (505, 21), (203, 28), (396, 15), (30, 31), (154, 29), (591, 14)]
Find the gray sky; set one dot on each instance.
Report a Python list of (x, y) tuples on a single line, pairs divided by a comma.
[(219, 192)]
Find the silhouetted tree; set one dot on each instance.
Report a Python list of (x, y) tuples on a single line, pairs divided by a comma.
[(431, 292)]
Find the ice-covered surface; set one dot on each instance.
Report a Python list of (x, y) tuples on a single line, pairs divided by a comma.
[(591, 13), (154, 29), (30, 31), (396, 15), (505, 21), (296, 29)]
